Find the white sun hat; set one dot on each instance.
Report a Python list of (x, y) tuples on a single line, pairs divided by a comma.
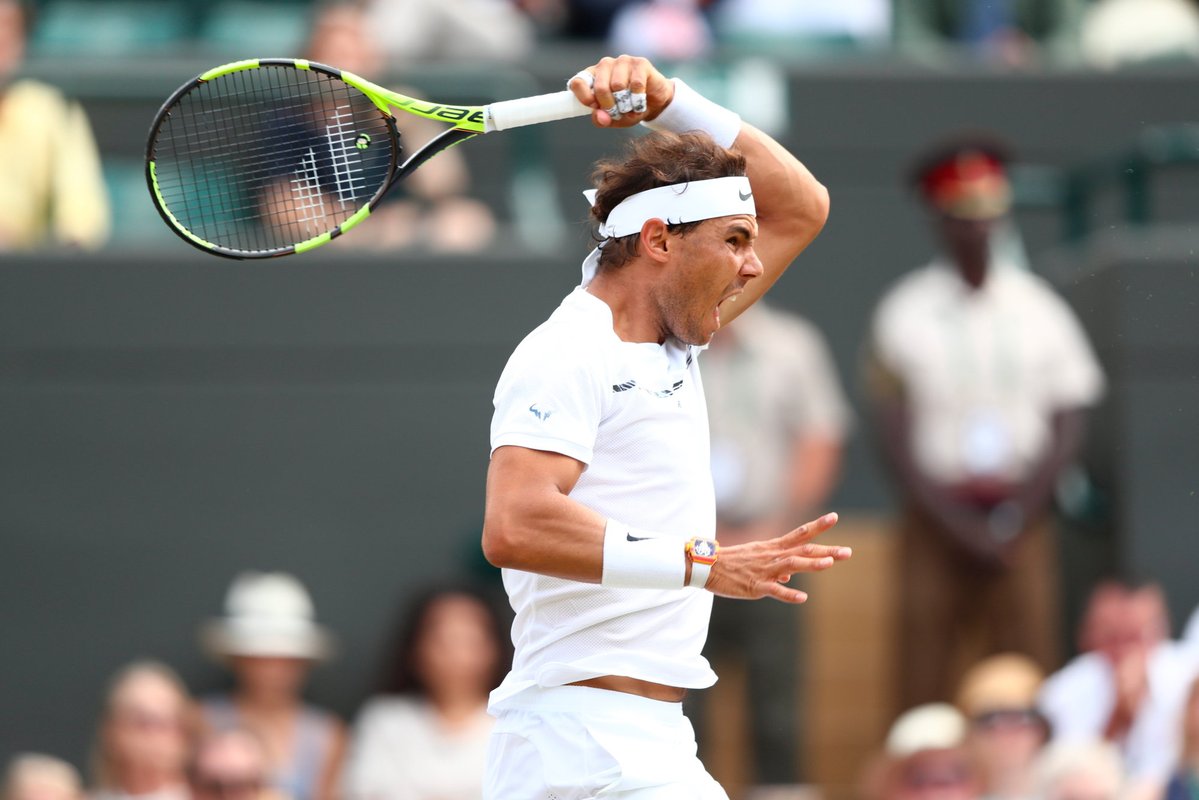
[(267, 614), (934, 726)]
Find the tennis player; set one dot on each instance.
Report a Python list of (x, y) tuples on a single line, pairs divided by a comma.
[(600, 504)]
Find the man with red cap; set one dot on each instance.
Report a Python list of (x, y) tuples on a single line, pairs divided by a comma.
[(979, 377)]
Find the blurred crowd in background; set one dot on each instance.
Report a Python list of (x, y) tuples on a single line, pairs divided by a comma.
[(378, 36), (1120, 721), (421, 734), (979, 380)]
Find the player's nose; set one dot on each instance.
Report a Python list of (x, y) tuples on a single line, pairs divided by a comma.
[(752, 266)]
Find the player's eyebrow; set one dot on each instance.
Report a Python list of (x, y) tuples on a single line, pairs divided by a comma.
[(742, 230)]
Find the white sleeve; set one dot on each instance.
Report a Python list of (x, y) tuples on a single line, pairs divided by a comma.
[(1076, 380), (1077, 699), (550, 397)]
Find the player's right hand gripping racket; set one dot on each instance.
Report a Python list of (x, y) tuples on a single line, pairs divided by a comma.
[(269, 157)]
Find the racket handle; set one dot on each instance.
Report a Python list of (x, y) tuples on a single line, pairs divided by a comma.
[(533, 110)]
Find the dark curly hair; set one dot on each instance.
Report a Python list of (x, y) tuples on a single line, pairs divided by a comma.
[(401, 675), (660, 159)]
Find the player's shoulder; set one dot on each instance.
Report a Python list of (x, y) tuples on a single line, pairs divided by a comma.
[(580, 325), (574, 339)]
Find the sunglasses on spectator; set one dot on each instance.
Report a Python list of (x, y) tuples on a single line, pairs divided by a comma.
[(147, 721), (1007, 719), (928, 778), (226, 787)]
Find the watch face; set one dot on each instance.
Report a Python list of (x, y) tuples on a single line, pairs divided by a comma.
[(703, 548)]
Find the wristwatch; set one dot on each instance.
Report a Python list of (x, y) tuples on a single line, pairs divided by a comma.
[(702, 553)]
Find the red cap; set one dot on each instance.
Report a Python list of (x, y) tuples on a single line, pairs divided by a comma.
[(968, 183)]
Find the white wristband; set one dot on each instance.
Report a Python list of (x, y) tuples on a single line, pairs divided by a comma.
[(691, 111), (699, 574), (640, 560)]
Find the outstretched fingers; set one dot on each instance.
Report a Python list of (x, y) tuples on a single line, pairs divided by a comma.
[(780, 591), (809, 530)]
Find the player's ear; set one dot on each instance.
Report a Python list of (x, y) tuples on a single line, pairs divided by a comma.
[(654, 240)]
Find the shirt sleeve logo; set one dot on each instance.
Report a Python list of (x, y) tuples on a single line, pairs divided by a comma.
[(540, 413)]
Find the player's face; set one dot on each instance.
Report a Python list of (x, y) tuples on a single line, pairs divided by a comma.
[(711, 264)]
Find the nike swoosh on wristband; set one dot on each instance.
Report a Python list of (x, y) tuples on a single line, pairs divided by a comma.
[(744, 196), (633, 538)]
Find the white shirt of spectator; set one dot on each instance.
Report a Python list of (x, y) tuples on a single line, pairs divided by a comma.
[(634, 414), (984, 369), (401, 750), (859, 19), (1078, 701), (770, 381)]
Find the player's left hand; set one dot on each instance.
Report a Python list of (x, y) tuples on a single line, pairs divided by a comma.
[(762, 569), (623, 91)]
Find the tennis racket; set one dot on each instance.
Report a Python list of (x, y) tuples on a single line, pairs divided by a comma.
[(274, 156)]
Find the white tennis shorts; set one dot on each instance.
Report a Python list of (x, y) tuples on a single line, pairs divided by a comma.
[(578, 743)]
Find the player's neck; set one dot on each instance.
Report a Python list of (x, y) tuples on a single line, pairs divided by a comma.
[(635, 317)]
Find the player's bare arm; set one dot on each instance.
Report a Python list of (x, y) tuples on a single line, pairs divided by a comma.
[(792, 206), (531, 524)]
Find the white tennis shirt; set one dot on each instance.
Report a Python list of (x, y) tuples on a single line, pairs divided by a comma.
[(634, 414)]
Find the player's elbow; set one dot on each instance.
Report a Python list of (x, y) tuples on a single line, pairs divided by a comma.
[(816, 207), (499, 540), (804, 215)]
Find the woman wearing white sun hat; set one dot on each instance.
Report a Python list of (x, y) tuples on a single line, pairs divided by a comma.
[(269, 639)]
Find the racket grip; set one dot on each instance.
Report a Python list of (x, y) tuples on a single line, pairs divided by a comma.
[(533, 110)]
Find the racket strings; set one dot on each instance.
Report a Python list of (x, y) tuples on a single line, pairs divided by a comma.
[(263, 159)]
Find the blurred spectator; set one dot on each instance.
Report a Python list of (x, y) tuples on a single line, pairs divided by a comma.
[(674, 30), (231, 764), (1184, 783), (453, 30), (998, 695), (425, 737), (145, 736), (1081, 770), (430, 209), (979, 376), (1190, 633), (593, 19), (1121, 32), (1012, 32), (926, 758), (1129, 687), (778, 420), (33, 776), (785, 21), (269, 640), (53, 192)]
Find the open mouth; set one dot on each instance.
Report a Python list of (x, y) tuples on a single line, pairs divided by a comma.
[(731, 298)]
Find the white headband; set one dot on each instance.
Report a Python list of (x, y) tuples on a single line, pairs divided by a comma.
[(682, 202)]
